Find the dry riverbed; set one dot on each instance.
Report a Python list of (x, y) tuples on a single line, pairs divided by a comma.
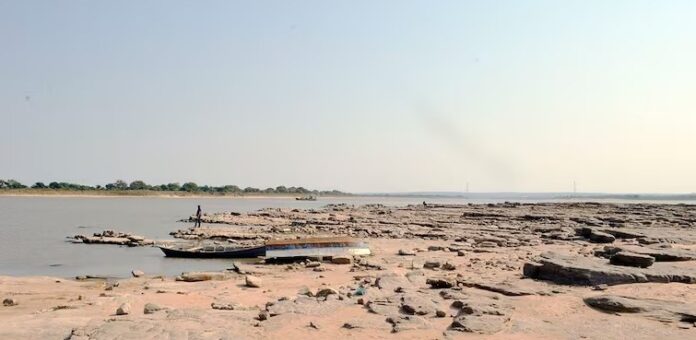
[(505, 271)]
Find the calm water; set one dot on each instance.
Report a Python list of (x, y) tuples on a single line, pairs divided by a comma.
[(33, 231)]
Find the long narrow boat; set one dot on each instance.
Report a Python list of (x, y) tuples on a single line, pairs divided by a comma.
[(213, 251)]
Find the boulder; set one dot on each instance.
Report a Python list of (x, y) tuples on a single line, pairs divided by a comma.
[(252, 281), (624, 258), (430, 264), (324, 292), (123, 309), (9, 302), (404, 252), (151, 308), (441, 282), (137, 273)]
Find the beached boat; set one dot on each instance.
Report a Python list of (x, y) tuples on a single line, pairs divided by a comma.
[(212, 251), (316, 247)]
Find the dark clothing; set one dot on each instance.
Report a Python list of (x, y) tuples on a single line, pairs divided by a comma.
[(198, 217)]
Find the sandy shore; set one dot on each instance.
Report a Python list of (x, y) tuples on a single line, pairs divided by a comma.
[(479, 250)]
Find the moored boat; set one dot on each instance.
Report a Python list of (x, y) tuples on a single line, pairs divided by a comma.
[(212, 251)]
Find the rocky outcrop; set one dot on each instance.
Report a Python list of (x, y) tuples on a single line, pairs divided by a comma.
[(114, 237), (661, 310), (590, 271)]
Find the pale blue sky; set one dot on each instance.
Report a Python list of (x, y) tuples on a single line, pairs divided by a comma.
[(355, 95)]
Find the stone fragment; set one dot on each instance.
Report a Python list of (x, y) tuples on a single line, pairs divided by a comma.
[(151, 308), (430, 264), (441, 282), (404, 252), (137, 273), (324, 292), (201, 276), (252, 281), (9, 302), (123, 309)]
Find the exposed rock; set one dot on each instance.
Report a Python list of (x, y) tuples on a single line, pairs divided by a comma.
[(324, 292), (313, 264), (252, 281), (441, 282), (601, 237), (224, 306), (137, 273), (661, 310), (123, 309), (624, 258), (151, 308), (404, 252), (9, 302), (592, 271), (482, 324), (430, 264), (407, 322), (342, 260), (201, 276), (417, 304), (448, 266)]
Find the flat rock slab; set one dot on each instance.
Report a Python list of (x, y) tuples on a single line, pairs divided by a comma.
[(202, 276), (504, 288), (662, 254), (590, 271), (662, 310), (625, 258)]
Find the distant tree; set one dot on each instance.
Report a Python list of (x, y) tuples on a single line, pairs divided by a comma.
[(269, 190), (250, 189), (118, 185), (173, 187), (138, 185), (39, 185), (302, 190), (54, 185), (12, 184), (189, 187), (281, 189)]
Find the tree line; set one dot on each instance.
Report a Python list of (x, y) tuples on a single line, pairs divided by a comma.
[(190, 187)]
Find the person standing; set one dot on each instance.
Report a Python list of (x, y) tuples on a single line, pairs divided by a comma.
[(198, 218)]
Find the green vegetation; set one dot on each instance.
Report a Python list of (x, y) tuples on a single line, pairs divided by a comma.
[(139, 187)]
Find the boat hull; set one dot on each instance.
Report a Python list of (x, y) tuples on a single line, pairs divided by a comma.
[(226, 254)]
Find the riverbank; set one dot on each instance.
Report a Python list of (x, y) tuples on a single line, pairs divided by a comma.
[(148, 193)]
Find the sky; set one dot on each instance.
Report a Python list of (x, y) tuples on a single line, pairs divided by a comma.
[(361, 96)]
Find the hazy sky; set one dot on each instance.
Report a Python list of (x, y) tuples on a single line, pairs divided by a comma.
[(354, 95)]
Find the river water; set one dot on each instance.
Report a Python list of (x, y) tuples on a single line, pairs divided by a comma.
[(33, 231)]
